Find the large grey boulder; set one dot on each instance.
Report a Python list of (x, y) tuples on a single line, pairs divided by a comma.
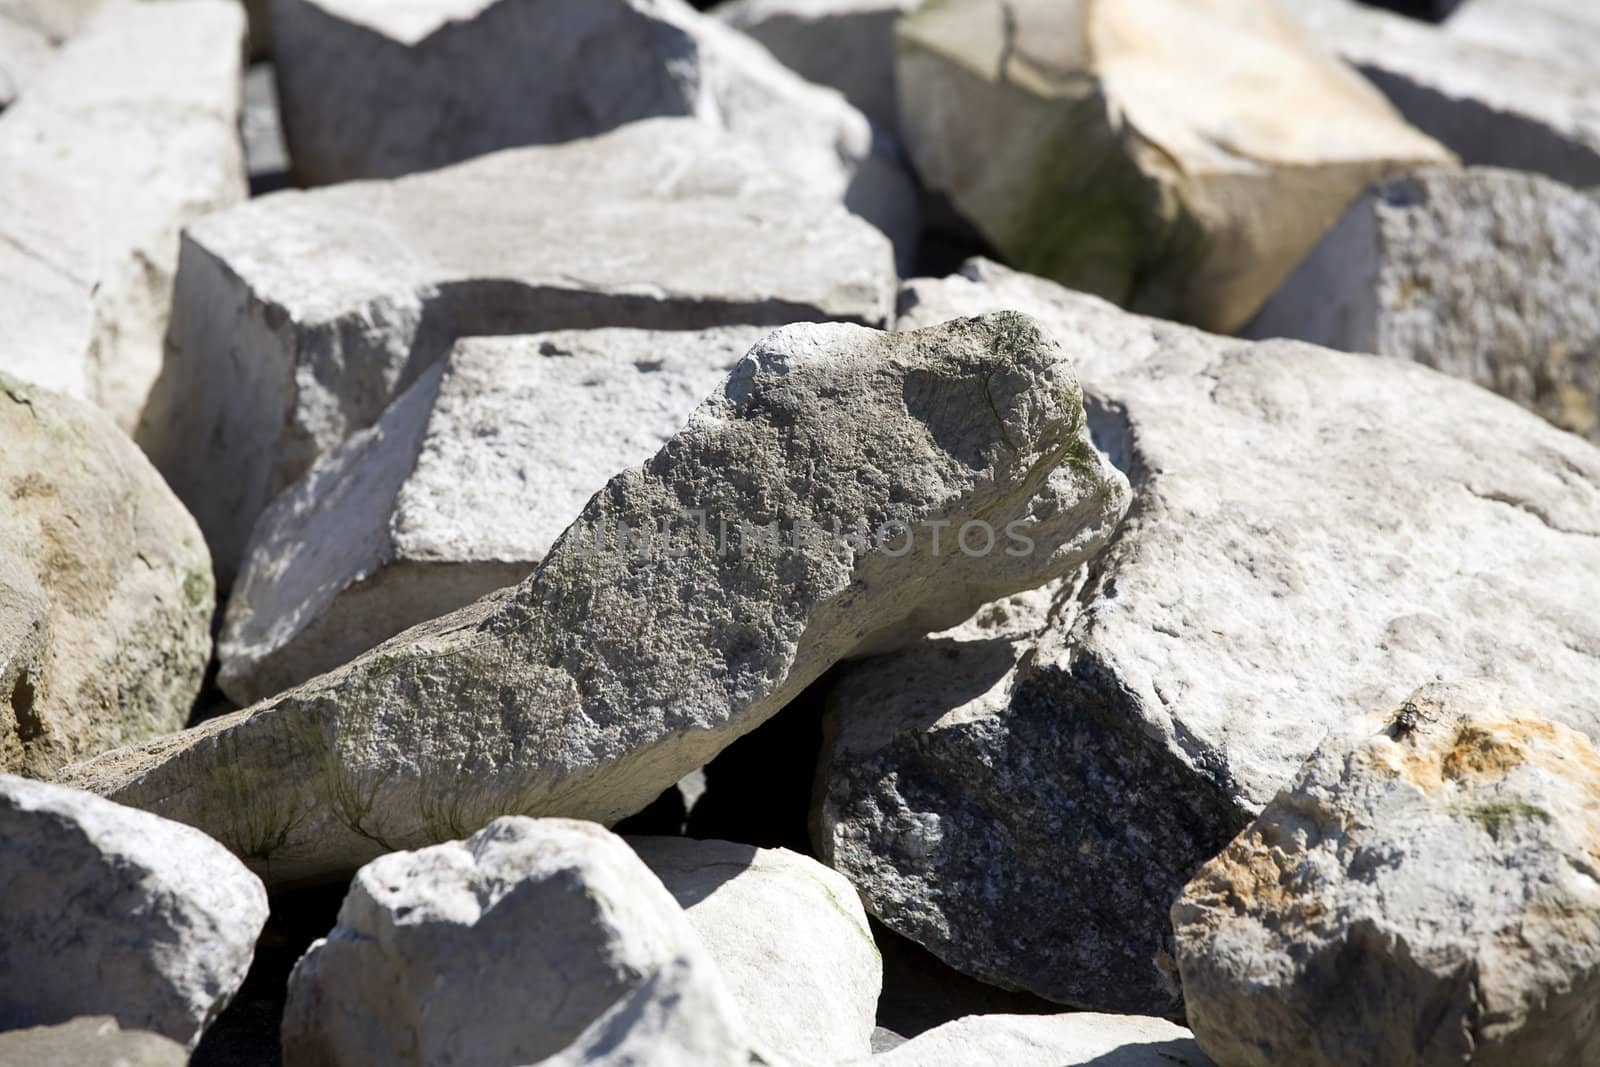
[(372, 89), (458, 490), (789, 936), (105, 588), (527, 938), (129, 134), (1080, 1039), (1103, 145), (1491, 102), (1422, 893), (1313, 535), (111, 911), (844, 490), (660, 225), (89, 1041), (1488, 275), (847, 45)]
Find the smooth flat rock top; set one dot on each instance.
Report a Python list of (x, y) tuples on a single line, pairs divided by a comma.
[(406, 21), (1080, 1039), (660, 209)]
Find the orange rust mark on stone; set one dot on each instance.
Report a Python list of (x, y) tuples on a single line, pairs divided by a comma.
[(1481, 752)]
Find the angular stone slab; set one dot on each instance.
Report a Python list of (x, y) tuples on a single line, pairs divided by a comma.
[(372, 89), (1081, 1039), (1490, 102), (1313, 533), (1423, 893), (1104, 146), (847, 45), (1487, 275), (789, 936), (111, 911), (459, 489), (627, 661), (105, 588), (129, 134), (504, 948), (660, 225)]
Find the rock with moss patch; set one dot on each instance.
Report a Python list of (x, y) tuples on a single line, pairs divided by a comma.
[(1423, 893), (664, 225), (789, 936), (1103, 145), (847, 45), (111, 911), (1081, 1039), (1492, 100), (844, 490), (128, 134), (459, 489), (1281, 572), (533, 941), (1488, 275), (375, 90), (105, 625)]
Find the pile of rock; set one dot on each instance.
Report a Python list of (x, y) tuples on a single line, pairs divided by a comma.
[(684, 523)]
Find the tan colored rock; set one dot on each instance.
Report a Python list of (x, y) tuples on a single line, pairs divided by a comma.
[(1144, 150), (89, 1041), (1424, 893), (105, 617)]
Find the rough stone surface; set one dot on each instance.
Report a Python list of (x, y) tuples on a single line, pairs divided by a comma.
[(89, 1041), (129, 134), (789, 936), (1423, 893), (846, 45), (1105, 146), (111, 911), (372, 89), (459, 489), (623, 663), (1313, 535), (661, 225), (1490, 102), (1487, 275), (529, 937), (1082, 1038), (105, 587)]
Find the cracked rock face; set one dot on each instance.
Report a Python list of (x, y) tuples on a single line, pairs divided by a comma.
[(105, 588), (624, 663), (1312, 535), (1422, 893), (1406, 271), (1495, 98), (1104, 146), (372, 89), (127, 135), (111, 911), (789, 936), (458, 490), (527, 938), (659, 225)]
